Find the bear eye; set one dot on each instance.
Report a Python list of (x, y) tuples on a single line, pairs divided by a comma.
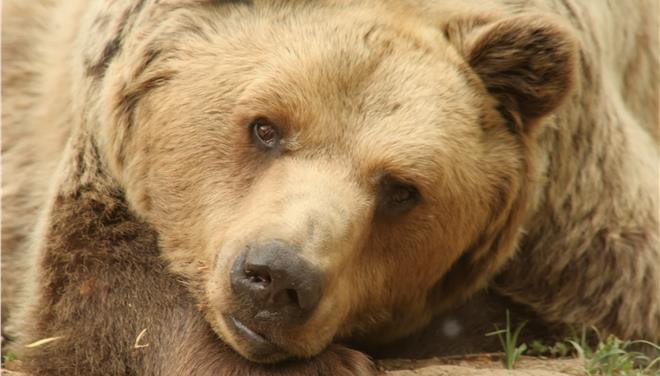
[(265, 133), (403, 194), (396, 197)]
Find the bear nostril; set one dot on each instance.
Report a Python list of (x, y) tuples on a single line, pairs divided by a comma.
[(255, 277), (258, 279), (257, 274), (293, 297)]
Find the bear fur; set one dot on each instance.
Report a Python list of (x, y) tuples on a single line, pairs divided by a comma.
[(528, 129)]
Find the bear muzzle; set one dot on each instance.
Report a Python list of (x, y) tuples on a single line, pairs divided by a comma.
[(274, 288)]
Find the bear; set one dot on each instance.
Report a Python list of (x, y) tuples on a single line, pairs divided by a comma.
[(247, 187)]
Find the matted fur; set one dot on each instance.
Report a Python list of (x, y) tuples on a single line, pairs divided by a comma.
[(130, 182)]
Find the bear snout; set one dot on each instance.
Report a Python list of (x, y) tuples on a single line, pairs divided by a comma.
[(274, 285)]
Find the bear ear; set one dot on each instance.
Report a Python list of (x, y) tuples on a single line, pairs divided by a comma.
[(526, 62)]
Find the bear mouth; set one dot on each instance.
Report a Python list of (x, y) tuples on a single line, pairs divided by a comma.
[(260, 348)]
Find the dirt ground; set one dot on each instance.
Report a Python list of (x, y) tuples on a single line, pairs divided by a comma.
[(480, 365), (477, 365)]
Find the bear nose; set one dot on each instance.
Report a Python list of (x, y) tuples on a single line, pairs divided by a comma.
[(277, 284)]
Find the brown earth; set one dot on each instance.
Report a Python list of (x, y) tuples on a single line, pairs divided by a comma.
[(477, 365), (482, 365)]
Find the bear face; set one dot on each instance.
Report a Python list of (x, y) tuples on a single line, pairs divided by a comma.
[(325, 172)]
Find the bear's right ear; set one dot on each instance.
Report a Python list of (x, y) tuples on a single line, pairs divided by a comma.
[(526, 62)]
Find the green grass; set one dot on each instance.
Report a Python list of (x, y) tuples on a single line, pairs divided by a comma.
[(614, 357), (558, 350), (8, 360), (610, 357), (8, 357), (509, 340)]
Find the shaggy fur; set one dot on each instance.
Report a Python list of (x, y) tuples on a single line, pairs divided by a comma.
[(131, 182)]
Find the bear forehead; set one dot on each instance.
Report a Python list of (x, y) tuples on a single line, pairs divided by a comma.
[(332, 85), (385, 120)]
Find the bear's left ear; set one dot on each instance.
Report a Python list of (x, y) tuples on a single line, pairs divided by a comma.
[(526, 62)]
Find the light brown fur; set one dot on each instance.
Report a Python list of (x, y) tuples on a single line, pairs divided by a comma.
[(534, 148)]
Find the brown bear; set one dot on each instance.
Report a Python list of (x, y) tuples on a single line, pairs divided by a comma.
[(236, 187)]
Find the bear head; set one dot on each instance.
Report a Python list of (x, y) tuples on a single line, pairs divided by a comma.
[(320, 171)]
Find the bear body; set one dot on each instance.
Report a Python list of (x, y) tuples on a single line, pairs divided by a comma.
[(215, 187)]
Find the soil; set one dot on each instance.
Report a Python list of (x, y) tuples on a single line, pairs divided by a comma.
[(480, 365), (472, 365)]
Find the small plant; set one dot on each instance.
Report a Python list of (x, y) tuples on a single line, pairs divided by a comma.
[(613, 357), (538, 348), (582, 339), (8, 357), (558, 350), (10, 362), (509, 340)]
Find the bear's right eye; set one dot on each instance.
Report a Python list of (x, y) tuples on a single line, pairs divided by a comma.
[(265, 133)]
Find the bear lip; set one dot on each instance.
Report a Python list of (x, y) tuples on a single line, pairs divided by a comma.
[(260, 348)]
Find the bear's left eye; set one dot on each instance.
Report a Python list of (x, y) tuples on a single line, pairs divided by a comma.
[(265, 133), (402, 195), (396, 197)]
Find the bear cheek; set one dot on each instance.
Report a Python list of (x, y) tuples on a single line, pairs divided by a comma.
[(218, 286)]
